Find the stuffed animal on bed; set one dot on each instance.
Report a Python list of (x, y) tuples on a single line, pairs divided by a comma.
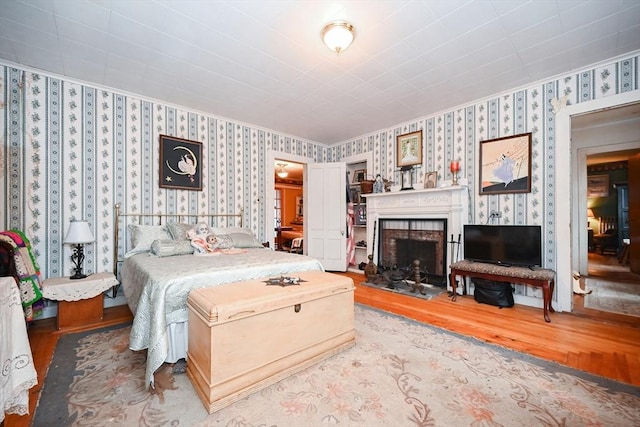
[(199, 241), (212, 242)]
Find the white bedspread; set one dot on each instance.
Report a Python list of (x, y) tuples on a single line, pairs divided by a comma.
[(157, 289)]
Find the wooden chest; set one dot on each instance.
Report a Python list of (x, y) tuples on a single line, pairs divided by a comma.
[(246, 336)]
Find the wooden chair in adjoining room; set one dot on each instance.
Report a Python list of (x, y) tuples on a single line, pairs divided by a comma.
[(607, 239), (296, 245)]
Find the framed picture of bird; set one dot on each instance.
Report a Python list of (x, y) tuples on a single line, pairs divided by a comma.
[(180, 163), (505, 165)]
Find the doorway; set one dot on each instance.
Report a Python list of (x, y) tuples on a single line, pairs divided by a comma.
[(602, 143), (288, 214)]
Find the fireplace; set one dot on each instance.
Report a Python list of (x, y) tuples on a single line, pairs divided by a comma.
[(418, 221), (404, 240)]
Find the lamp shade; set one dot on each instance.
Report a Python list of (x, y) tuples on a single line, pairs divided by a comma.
[(79, 232), (590, 213), (338, 35)]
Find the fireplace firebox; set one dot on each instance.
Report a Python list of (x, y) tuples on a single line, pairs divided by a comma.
[(404, 240)]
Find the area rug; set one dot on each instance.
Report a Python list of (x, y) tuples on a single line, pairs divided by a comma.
[(613, 297), (399, 373), (428, 291)]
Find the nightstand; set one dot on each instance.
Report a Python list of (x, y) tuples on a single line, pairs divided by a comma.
[(80, 301)]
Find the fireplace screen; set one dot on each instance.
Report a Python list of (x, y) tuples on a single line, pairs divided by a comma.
[(404, 240)]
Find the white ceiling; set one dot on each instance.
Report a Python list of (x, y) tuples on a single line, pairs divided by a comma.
[(263, 62)]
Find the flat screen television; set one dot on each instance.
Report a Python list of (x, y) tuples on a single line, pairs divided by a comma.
[(517, 245)]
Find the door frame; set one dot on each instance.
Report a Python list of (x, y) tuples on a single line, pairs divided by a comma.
[(567, 169), (270, 187)]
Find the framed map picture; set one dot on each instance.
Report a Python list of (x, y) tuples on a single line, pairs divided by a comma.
[(180, 163)]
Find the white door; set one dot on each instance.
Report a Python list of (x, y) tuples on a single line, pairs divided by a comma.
[(325, 216)]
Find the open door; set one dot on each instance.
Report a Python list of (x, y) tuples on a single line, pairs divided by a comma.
[(634, 213), (326, 214)]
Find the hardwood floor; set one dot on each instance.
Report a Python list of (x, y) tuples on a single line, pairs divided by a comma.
[(603, 344)]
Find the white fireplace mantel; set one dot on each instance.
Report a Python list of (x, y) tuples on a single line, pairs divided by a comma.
[(450, 203)]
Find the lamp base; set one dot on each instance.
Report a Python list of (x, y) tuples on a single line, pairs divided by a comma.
[(77, 257)]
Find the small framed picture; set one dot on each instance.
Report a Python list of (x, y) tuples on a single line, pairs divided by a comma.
[(431, 179), (598, 186), (409, 149), (180, 163), (359, 175)]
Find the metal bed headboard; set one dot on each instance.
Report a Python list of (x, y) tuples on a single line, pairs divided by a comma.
[(159, 219)]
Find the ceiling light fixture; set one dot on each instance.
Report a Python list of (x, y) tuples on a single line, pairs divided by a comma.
[(282, 172), (338, 35)]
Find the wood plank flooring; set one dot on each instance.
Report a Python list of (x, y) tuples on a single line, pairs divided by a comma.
[(603, 344)]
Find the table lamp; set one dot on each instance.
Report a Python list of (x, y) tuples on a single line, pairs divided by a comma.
[(589, 215), (79, 233)]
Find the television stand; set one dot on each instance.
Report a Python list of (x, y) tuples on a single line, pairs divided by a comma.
[(541, 277)]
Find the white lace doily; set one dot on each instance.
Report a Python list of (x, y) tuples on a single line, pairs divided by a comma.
[(66, 289)]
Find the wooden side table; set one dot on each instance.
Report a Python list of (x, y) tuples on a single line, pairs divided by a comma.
[(80, 301)]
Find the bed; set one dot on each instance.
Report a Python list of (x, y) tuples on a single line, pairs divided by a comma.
[(156, 282)]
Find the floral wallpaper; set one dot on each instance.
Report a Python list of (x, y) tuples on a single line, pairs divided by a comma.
[(457, 134), (74, 151)]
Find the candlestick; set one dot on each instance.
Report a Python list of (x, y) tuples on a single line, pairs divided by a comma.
[(455, 168)]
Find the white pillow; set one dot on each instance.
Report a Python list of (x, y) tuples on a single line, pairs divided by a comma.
[(142, 236), (229, 230), (244, 240), (164, 248), (178, 230)]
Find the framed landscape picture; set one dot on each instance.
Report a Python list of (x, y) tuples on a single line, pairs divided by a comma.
[(409, 149), (505, 165), (180, 163)]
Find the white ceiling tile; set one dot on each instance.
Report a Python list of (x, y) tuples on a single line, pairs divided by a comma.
[(87, 13), (535, 34), (588, 12), (6, 50), (529, 14), (502, 6), (444, 7), (629, 17), (414, 15), (264, 62), (469, 16), (27, 14), (36, 57), (630, 38)]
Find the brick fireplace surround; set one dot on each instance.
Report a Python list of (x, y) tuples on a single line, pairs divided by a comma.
[(450, 203)]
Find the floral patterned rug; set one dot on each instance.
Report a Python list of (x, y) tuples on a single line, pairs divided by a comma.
[(399, 373), (613, 297)]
